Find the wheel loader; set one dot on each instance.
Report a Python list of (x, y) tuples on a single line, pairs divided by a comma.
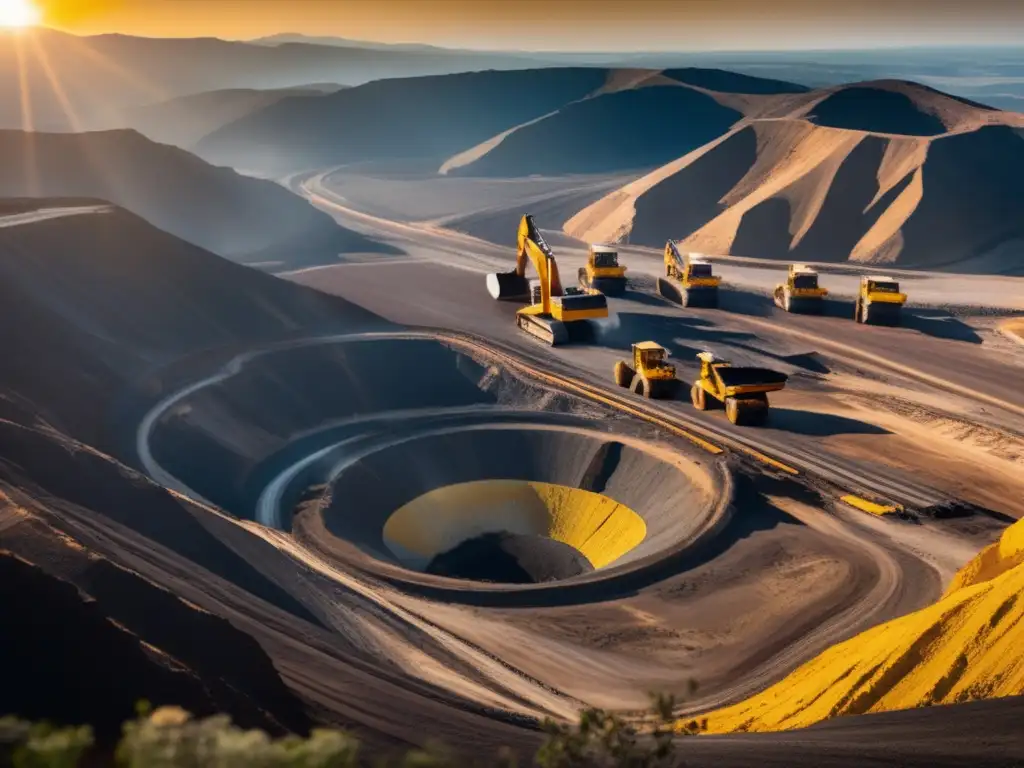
[(801, 292), (689, 280), (554, 315), (649, 375), (741, 390), (603, 272), (879, 301)]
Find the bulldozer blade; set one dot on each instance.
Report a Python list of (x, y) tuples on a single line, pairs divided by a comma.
[(508, 286), (670, 290)]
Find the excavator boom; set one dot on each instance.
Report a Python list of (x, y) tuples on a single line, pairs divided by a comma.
[(552, 311)]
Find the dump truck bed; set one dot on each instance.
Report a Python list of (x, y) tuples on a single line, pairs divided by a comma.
[(742, 376)]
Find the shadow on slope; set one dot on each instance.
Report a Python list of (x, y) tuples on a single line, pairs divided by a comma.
[(88, 657), (723, 81), (282, 397), (185, 120), (819, 424), (95, 302), (973, 201), (46, 471), (780, 191), (236, 216), (931, 322), (618, 131), (423, 117), (685, 201), (863, 108)]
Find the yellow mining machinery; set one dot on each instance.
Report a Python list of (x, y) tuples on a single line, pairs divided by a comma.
[(801, 292), (603, 272), (649, 375), (879, 301), (688, 280), (742, 390), (554, 314)]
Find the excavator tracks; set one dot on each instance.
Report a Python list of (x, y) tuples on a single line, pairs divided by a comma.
[(551, 332)]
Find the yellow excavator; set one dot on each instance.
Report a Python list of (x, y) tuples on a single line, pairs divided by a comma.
[(603, 272), (689, 281), (649, 375), (879, 301), (742, 390), (554, 314), (801, 292)]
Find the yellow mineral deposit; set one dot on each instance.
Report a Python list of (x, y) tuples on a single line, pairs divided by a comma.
[(600, 528), (964, 647)]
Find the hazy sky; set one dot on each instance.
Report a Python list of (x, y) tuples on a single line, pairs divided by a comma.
[(591, 25)]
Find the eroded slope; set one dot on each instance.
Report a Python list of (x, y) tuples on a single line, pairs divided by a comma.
[(930, 182), (963, 648)]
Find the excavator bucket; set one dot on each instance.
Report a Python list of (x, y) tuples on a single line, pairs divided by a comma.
[(508, 286)]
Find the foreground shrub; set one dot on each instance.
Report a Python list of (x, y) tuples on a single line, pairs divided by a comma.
[(170, 737)]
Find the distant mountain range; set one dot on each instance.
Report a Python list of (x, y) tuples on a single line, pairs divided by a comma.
[(344, 42), (75, 83), (95, 82)]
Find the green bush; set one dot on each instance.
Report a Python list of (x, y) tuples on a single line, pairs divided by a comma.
[(170, 737)]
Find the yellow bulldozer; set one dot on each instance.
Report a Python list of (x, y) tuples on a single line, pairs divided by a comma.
[(879, 301), (742, 390), (554, 315), (649, 375), (689, 280), (603, 272), (801, 292)]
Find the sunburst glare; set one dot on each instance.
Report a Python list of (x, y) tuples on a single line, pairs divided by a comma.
[(18, 14)]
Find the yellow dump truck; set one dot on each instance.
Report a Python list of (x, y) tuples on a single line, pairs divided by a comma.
[(801, 292), (689, 280), (603, 272), (741, 390), (649, 375), (879, 301)]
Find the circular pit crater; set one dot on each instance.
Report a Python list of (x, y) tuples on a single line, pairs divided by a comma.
[(516, 503)]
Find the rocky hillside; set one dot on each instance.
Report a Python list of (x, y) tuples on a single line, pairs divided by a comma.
[(886, 173), (246, 219)]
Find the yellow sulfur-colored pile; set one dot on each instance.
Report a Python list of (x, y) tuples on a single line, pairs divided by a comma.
[(964, 647)]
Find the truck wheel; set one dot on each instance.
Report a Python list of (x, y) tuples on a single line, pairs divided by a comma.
[(732, 410), (642, 386), (699, 397), (624, 374), (857, 316), (747, 411), (787, 302)]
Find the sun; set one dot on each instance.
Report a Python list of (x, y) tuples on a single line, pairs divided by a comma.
[(18, 14)]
